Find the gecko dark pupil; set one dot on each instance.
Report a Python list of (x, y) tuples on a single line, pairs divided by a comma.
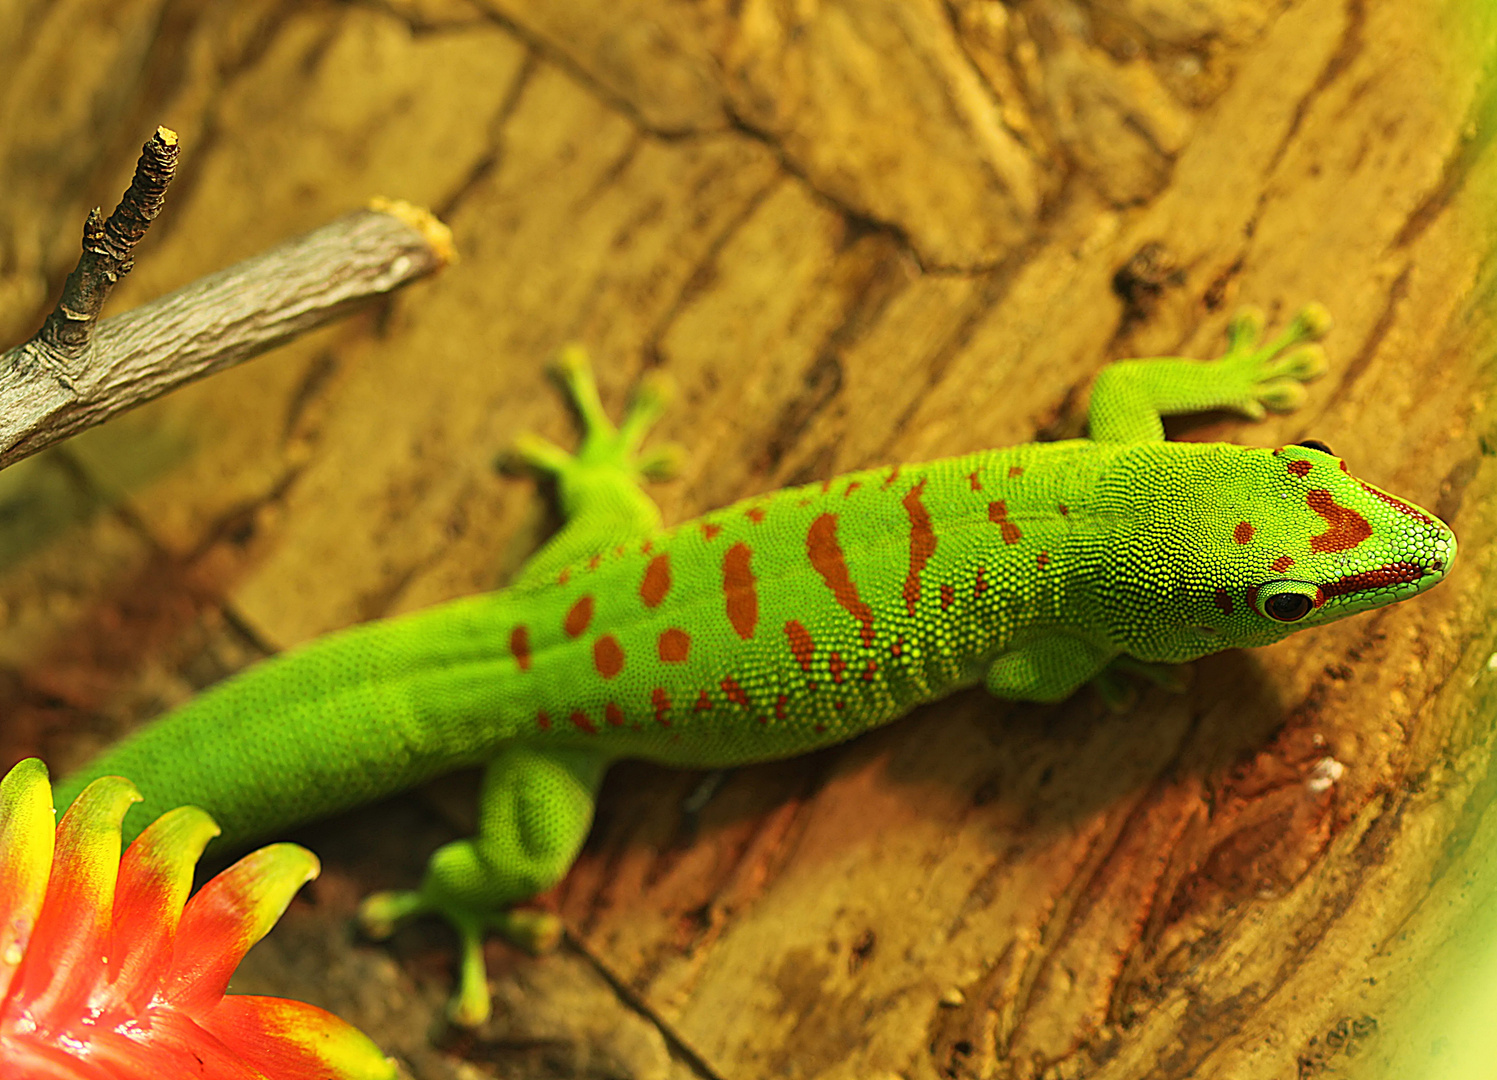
[(1315, 444), (1288, 607)]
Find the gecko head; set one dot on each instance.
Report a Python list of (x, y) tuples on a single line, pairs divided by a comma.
[(1273, 541)]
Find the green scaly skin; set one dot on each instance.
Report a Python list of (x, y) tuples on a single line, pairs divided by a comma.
[(791, 621)]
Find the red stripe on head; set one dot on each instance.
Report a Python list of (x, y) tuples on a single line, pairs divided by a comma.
[(1397, 504), (1398, 573), (1345, 527)]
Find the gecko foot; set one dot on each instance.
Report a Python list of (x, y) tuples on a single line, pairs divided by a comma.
[(603, 445), (1266, 376), (536, 932)]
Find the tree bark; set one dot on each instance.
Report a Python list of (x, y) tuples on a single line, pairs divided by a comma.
[(854, 233)]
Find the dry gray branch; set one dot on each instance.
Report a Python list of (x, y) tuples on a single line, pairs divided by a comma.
[(76, 371)]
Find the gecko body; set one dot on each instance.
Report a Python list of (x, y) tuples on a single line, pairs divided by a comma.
[(791, 621)]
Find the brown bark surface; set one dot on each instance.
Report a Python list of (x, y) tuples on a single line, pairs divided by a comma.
[(853, 232)]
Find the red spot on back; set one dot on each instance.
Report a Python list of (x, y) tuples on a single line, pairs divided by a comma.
[(704, 703), (645, 548), (608, 656), (897, 649), (1015, 471), (565, 575), (1243, 532), (869, 670), (850, 488), (673, 645), (837, 666), (922, 544), (948, 597), (1345, 527), (543, 720), (893, 476), (592, 563), (1223, 601), (980, 585), (578, 618), (801, 646), (998, 515), (657, 580), (1300, 468), (1042, 560), (739, 592), (519, 645), (613, 714), (1063, 508), (1282, 563), (1397, 504), (734, 691), (754, 514), (974, 481), (662, 702), (582, 723), (826, 557), (780, 701), (709, 530)]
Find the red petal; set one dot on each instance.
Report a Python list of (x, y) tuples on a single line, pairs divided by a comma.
[(291, 1040), (165, 1045), (66, 957), (227, 916), (24, 1060), (155, 878), (26, 829)]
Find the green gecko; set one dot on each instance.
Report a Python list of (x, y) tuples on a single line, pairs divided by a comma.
[(791, 621)]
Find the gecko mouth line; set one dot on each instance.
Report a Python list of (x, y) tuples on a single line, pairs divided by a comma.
[(1397, 573)]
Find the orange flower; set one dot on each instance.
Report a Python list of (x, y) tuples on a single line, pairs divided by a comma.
[(105, 975)]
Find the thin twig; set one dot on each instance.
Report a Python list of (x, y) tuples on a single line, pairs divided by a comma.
[(77, 371)]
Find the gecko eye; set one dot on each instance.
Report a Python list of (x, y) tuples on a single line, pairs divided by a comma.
[(1287, 607), (1285, 601), (1316, 444)]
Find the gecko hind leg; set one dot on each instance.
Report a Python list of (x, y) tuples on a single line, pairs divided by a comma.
[(600, 486), (534, 812), (536, 804)]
